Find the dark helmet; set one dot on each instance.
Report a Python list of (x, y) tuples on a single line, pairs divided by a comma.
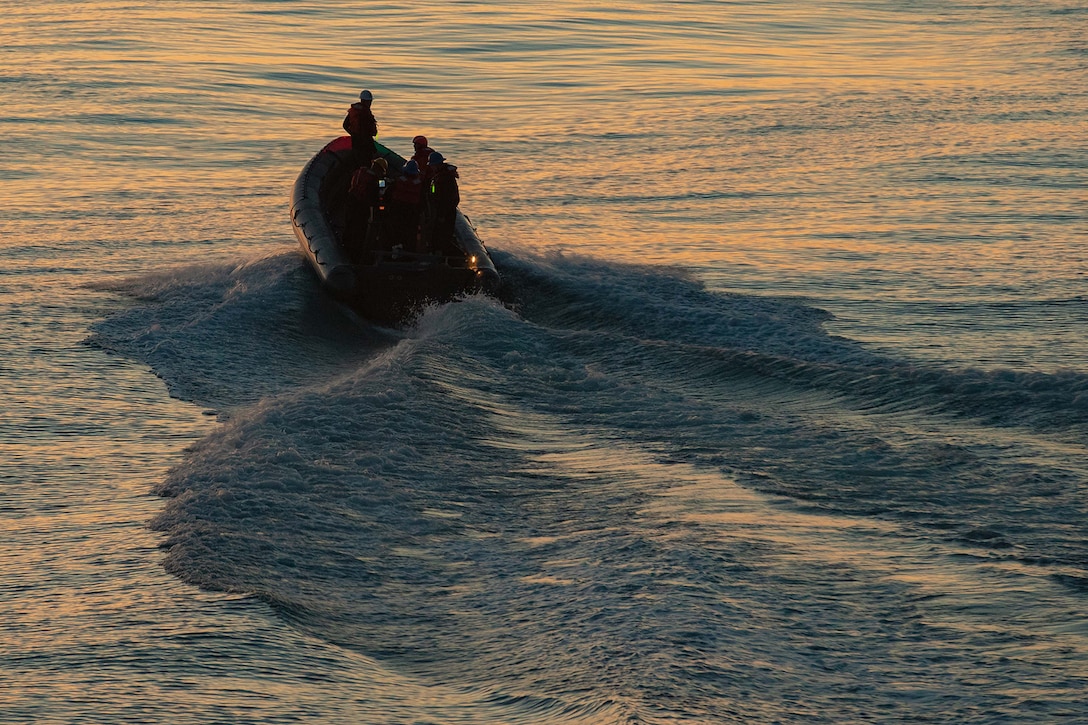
[(411, 168), (366, 96), (435, 158), (420, 141)]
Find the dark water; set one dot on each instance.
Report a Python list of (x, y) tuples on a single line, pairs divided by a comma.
[(783, 420)]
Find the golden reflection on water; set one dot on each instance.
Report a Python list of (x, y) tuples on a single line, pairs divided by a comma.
[(802, 140), (812, 143)]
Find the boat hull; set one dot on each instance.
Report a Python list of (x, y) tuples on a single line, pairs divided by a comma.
[(395, 284)]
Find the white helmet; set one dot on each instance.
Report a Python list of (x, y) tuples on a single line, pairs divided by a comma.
[(366, 96)]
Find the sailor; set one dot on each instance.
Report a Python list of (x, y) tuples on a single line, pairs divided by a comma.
[(404, 207), (422, 153), (363, 224), (362, 127), (441, 196)]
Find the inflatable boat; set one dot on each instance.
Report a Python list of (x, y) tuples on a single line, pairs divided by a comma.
[(387, 284)]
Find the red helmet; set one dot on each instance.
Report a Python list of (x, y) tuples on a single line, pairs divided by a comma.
[(420, 141)]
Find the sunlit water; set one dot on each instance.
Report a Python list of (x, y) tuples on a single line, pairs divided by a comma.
[(783, 421)]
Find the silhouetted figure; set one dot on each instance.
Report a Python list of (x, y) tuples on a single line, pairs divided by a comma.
[(404, 206), (363, 222), (362, 126), (421, 155), (442, 197)]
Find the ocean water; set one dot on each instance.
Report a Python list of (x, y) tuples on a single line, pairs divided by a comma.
[(781, 419)]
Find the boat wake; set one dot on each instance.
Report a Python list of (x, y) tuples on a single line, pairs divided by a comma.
[(477, 500)]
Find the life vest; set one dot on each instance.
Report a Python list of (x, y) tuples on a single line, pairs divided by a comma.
[(421, 157), (360, 121), (364, 187), (408, 190)]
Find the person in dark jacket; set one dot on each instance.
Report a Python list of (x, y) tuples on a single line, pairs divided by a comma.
[(362, 225), (404, 207), (362, 127), (442, 197)]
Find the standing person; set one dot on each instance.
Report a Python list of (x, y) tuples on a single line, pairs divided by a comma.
[(363, 222), (443, 196), (362, 126), (404, 207), (422, 154)]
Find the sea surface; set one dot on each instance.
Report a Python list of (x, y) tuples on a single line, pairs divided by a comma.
[(783, 417)]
